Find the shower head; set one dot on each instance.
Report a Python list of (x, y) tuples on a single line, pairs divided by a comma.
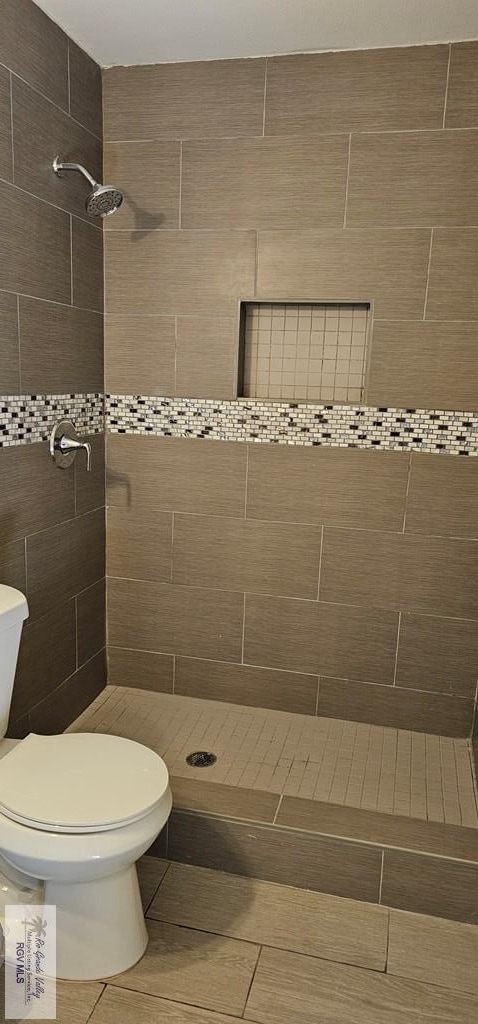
[(103, 200)]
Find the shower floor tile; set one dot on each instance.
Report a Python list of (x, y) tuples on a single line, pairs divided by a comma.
[(327, 759)]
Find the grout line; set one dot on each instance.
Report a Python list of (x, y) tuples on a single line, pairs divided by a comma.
[(320, 560), (76, 632), (104, 986), (396, 649), (259, 954), (246, 482), (347, 181), (447, 85), (407, 489), (285, 135), (243, 629), (175, 656), (25, 560), (68, 74), (172, 548), (11, 128), (381, 879), (317, 698), (281, 797), (19, 345), (425, 302), (265, 97), (71, 260), (180, 197)]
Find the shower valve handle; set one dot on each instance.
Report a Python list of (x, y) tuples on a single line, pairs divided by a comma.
[(64, 444)]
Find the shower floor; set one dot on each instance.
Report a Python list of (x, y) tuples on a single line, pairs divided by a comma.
[(325, 759)]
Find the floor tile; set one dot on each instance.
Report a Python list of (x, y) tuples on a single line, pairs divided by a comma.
[(75, 1000), (274, 915), (321, 760), (194, 967), (122, 1007), (150, 870), (290, 987), (433, 950)]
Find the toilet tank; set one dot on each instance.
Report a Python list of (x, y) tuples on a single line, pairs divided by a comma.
[(13, 612)]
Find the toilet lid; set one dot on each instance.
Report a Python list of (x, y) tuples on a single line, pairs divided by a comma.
[(80, 782)]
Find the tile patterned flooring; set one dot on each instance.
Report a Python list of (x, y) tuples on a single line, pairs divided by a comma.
[(225, 948), (366, 766)]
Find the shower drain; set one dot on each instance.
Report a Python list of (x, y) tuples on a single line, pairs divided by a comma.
[(201, 759)]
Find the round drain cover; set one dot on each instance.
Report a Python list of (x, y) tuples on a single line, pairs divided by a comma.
[(201, 759)]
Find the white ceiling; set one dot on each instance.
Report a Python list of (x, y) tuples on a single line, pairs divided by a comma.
[(154, 31)]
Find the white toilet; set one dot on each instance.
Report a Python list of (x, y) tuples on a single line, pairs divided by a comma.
[(76, 811)]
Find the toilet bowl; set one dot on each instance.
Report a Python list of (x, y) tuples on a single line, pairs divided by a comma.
[(77, 810)]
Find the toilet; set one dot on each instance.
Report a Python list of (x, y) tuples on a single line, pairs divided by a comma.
[(76, 812)]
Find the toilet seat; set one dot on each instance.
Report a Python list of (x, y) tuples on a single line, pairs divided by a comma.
[(80, 782)]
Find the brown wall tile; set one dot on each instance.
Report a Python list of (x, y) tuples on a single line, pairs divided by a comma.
[(264, 183), (175, 474), (206, 357), (43, 665), (245, 684), (327, 485), (361, 90), (148, 174), (139, 355), (380, 828), (178, 272), (233, 801), (35, 150), (184, 100), (241, 554), (36, 258), (416, 178), (90, 619), (87, 265), (305, 636), (357, 265), (140, 669), (139, 544), (438, 654), (424, 574), (6, 158), (276, 855), (423, 365), (462, 98), (182, 620), (64, 560), (62, 706), (443, 496), (12, 562), (35, 48), (33, 495), (452, 293), (430, 885), (395, 707), (86, 100), (10, 362), (61, 348)]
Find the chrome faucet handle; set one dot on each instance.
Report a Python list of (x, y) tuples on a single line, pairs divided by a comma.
[(64, 444)]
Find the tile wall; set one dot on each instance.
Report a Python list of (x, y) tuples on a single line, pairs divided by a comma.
[(51, 324), (342, 581)]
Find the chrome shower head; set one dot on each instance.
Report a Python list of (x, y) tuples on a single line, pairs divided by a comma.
[(103, 200)]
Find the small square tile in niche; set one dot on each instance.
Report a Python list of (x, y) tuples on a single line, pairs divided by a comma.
[(306, 351)]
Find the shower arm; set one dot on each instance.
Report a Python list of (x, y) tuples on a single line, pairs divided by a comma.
[(59, 166)]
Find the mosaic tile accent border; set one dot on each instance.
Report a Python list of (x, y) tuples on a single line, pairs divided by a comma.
[(338, 426), (26, 419)]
